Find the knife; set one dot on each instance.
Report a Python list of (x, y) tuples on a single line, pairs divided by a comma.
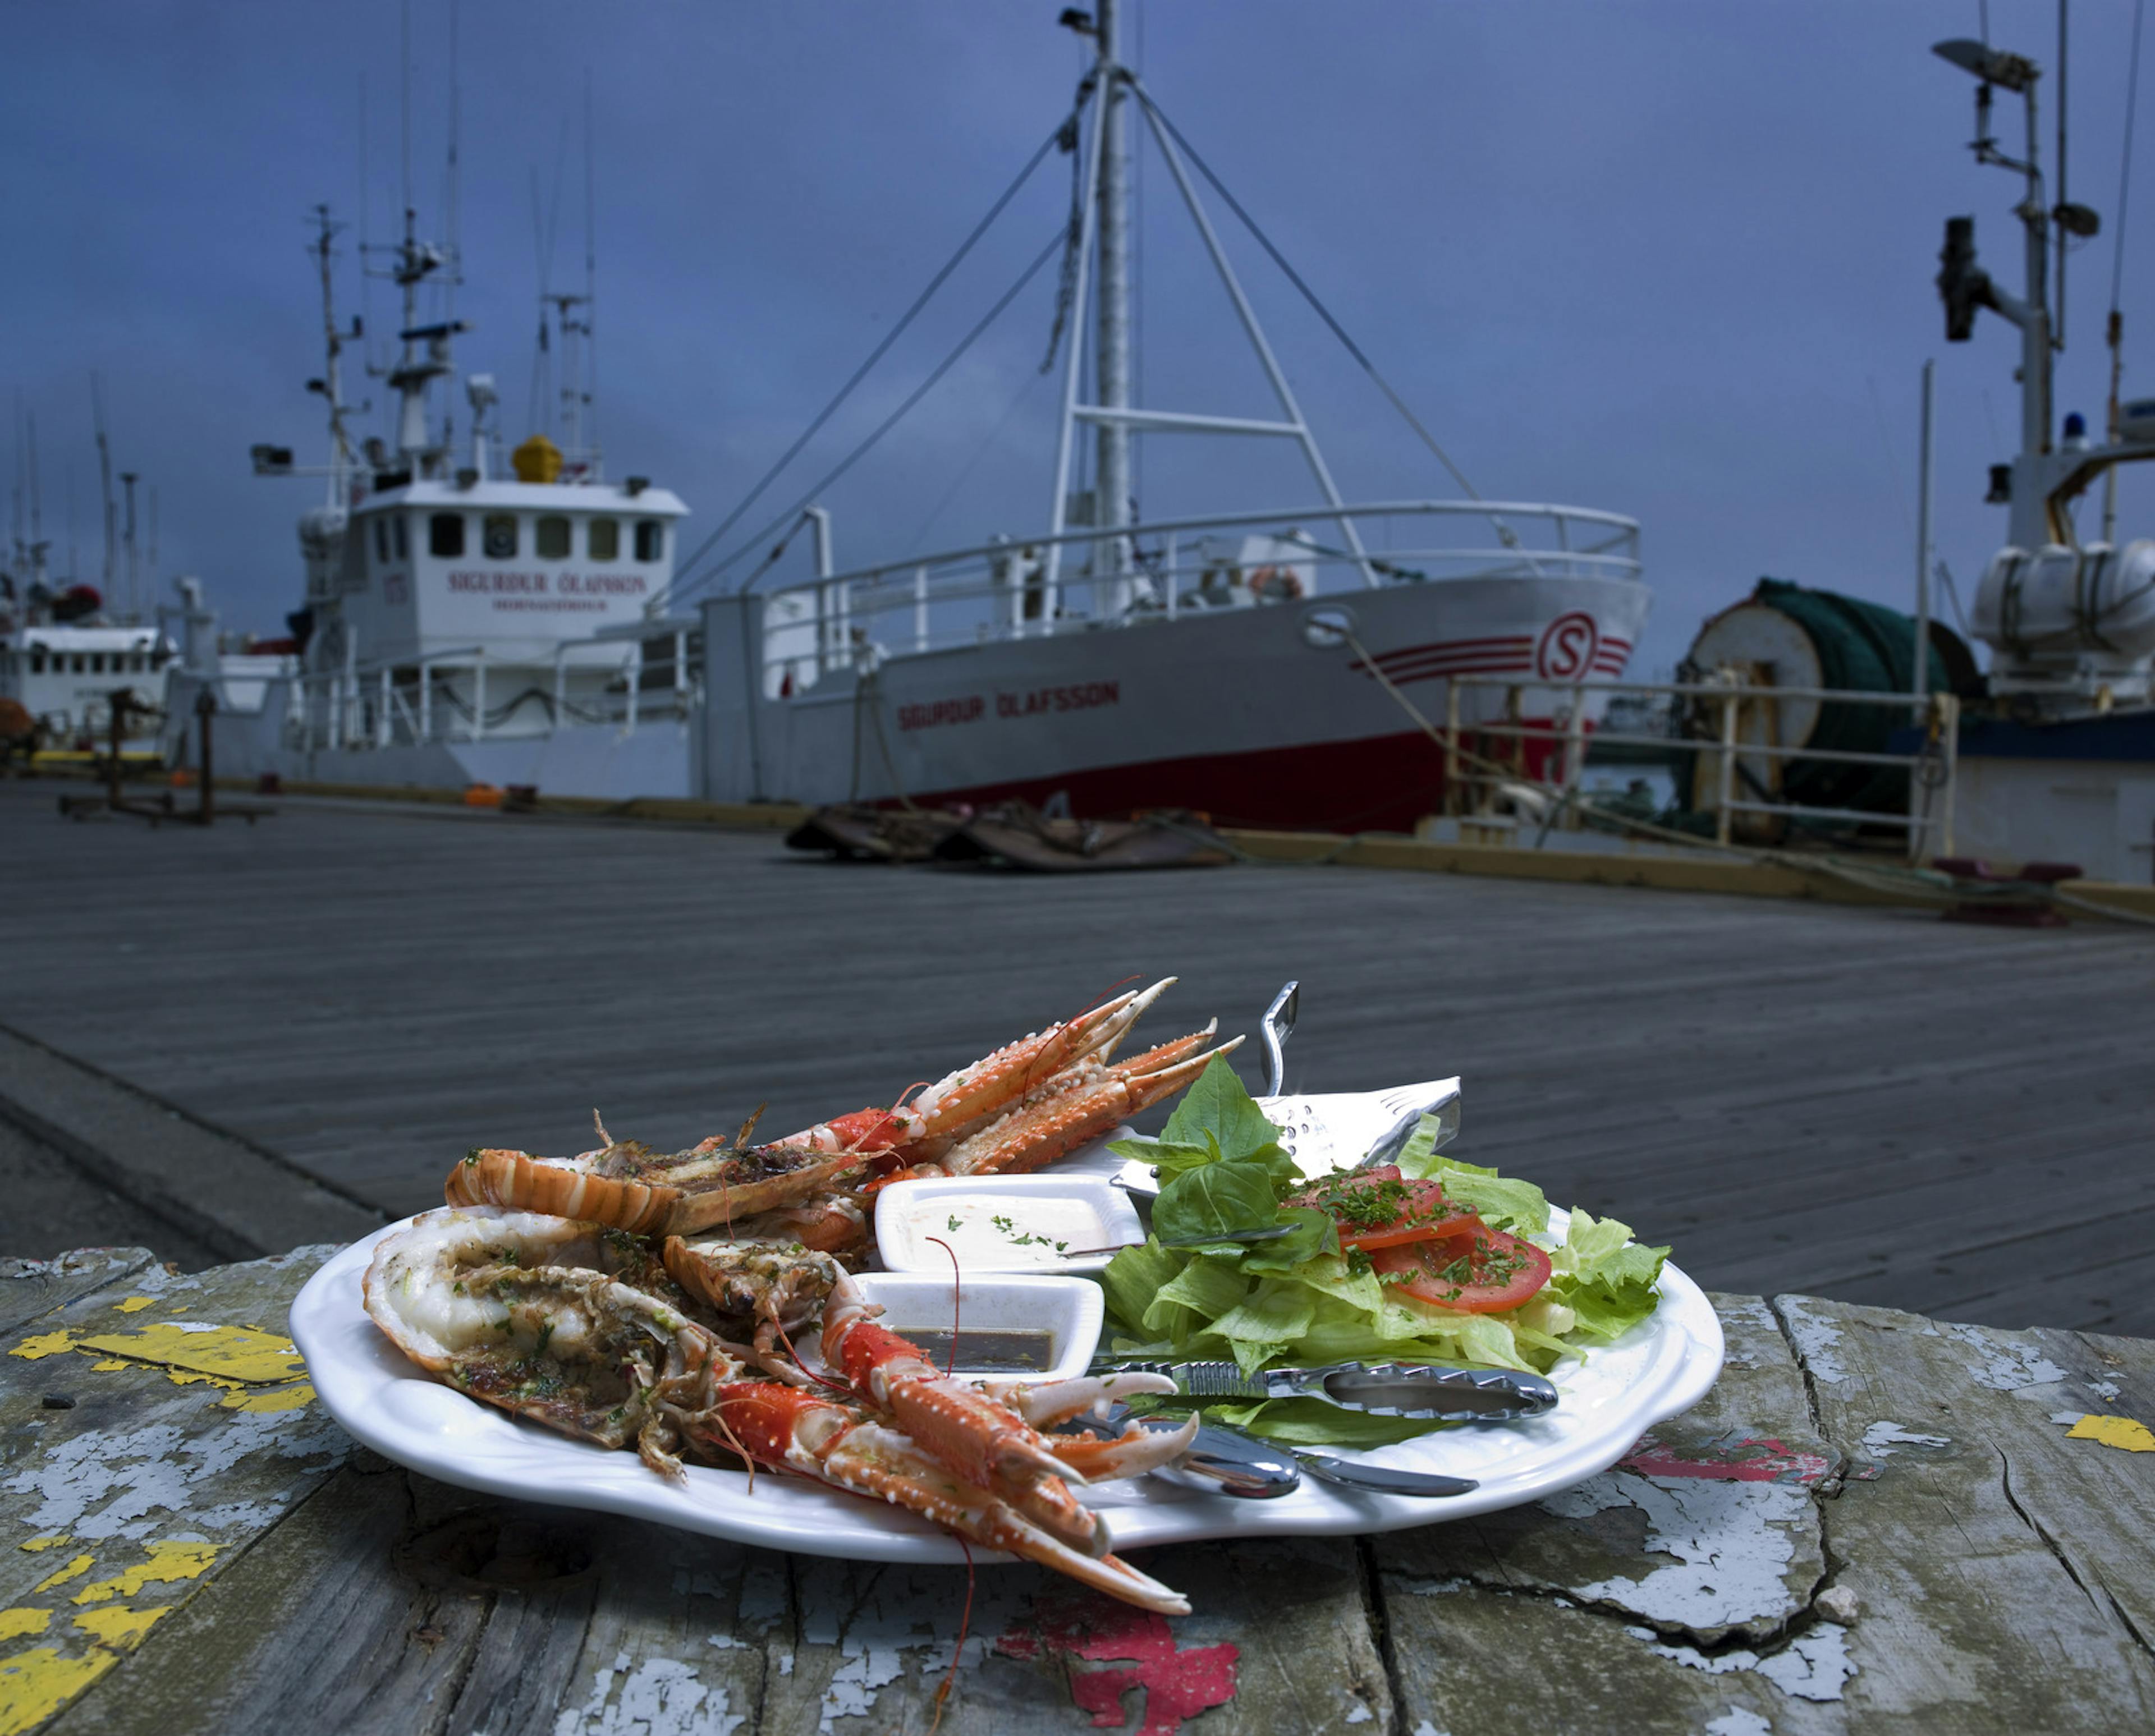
[(1383, 1389)]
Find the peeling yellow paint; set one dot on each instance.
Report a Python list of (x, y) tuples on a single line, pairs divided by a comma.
[(120, 1627), (73, 1570), (294, 1397), (36, 1683), (134, 1305), (18, 1624), (2125, 1433), (41, 1345), (228, 1355), (168, 1564), (37, 1546)]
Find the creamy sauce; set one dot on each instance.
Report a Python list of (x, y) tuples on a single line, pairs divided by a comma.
[(998, 1230)]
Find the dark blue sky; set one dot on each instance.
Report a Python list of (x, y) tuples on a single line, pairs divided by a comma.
[(1669, 260)]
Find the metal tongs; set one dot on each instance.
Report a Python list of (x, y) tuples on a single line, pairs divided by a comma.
[(1382, 1389)]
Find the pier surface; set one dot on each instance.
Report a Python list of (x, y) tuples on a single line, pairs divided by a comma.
[(324, 1011)]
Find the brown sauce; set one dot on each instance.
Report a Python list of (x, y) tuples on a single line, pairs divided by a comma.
[(985, 1350)]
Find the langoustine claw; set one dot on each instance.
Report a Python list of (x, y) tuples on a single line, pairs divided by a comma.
[(838, 1444)]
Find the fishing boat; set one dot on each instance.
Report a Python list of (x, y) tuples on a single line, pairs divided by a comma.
[(1280, 667), (1287, 666)]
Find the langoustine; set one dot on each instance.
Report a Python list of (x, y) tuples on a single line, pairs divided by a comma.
[(479, 1298), (675, 1342)]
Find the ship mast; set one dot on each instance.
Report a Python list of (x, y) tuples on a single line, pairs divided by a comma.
[(341, 457), (1112, 476)]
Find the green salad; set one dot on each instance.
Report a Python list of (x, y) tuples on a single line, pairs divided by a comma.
[(1434, 1260)]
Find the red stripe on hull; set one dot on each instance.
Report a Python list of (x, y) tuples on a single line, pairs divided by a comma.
[(1382, 783)]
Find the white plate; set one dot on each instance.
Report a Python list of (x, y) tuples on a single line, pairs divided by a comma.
[(1657, 1371), (1119, 1223)]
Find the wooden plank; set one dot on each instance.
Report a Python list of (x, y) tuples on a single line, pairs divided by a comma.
[(1704, 1068), (217, 1191), (31, 1288), (1999, 1565), (156, 1473), (1279, 1640), (1678, 1588)]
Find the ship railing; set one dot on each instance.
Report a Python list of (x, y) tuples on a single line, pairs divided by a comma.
[(1487, 764), (465, 694), (1160, 573)]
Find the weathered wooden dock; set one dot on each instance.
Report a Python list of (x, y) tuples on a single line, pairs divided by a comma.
[(1874, 1523), (1868, 1104)]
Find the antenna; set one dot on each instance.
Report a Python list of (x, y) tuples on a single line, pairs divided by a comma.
[(105, 478), (2058, 324), (452, 196), (591, 292), (404, 86), (153, 537), (2117, 331), (128, 479)]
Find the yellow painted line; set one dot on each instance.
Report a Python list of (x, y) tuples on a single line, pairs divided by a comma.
[(134, 1305), (73, 1570), (2125, 1433), (20, 1624), (37, 1544), (36, 1683), (169, 1563), (120, 1627)]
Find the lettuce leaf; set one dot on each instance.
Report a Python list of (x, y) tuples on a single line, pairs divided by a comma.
[(1299, 1299)]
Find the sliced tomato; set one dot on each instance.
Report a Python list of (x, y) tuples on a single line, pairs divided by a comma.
[(1485, 1271), (1379, 1208)]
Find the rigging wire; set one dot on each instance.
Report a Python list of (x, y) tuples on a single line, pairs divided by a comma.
[(1323, 313), (993, 439), (689, 586), (880, 351), (2125, 159)]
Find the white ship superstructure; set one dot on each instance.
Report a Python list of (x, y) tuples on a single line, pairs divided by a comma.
[(464, 624)]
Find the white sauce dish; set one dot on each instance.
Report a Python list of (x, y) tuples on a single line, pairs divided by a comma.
[(1003, 1223)]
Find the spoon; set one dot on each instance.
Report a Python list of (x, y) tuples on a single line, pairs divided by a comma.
[(1382, 1479), (1277, 1026)]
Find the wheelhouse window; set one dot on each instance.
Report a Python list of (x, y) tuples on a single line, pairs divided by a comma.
[(549, 537), (97, 663), (80, 665), (445, 535), (500, 536), (37, 660), (381, 542), (603, 539), (650, 539), (403, 540)]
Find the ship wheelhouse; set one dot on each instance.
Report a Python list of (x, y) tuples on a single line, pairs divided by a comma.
[(476, 607), (65, 676)]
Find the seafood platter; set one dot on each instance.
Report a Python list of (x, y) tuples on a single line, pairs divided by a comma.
[(942, 1330)]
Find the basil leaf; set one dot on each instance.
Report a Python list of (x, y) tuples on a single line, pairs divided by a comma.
[(1203, 1202), (1314, 1233), (1217, 1105)]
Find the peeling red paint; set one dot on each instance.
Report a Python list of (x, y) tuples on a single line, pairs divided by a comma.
[(1110, 1648), (1731, 1458)]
